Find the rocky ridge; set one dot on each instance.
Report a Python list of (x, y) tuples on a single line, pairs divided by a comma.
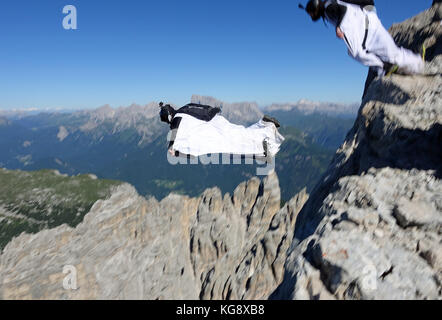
[(371, 228), (309, 107), (129, 247)]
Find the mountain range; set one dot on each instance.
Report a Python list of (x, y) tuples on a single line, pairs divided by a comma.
[(130, 144)]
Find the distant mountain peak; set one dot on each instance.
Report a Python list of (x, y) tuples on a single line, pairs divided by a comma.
[(309, 107), (239, 112)]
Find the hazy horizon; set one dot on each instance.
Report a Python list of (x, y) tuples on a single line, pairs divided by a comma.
[(61, 109)]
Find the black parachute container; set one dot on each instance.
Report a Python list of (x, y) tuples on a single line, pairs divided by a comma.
[(196, 110)]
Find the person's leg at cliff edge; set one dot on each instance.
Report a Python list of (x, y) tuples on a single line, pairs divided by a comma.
[(356, 22)]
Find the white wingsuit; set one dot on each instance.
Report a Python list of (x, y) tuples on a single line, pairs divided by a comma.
[(219, 136), (379, 44)]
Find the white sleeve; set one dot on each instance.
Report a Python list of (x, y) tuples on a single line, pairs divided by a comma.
[(353, 27), (368, 59)]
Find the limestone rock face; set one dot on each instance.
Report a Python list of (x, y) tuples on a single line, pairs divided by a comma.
[(371, 228), (129, 247), (423, 29)]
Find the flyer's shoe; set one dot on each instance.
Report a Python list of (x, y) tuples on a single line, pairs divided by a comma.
[(272, 120), (394, 68)]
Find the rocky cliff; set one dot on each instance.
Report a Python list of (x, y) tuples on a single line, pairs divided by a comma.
[(127, 247), (371, 228)]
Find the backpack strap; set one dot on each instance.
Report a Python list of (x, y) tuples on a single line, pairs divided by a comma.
[(367, 24)]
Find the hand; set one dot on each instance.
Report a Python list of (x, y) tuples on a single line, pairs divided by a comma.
[(339, 33)]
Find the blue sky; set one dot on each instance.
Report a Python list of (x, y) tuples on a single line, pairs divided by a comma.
[(137, 51)]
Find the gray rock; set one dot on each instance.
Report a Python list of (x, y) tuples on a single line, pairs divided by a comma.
[(371, 228), (127, 247), (423, 29)]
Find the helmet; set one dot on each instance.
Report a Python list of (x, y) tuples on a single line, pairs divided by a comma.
[(315, 8)]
